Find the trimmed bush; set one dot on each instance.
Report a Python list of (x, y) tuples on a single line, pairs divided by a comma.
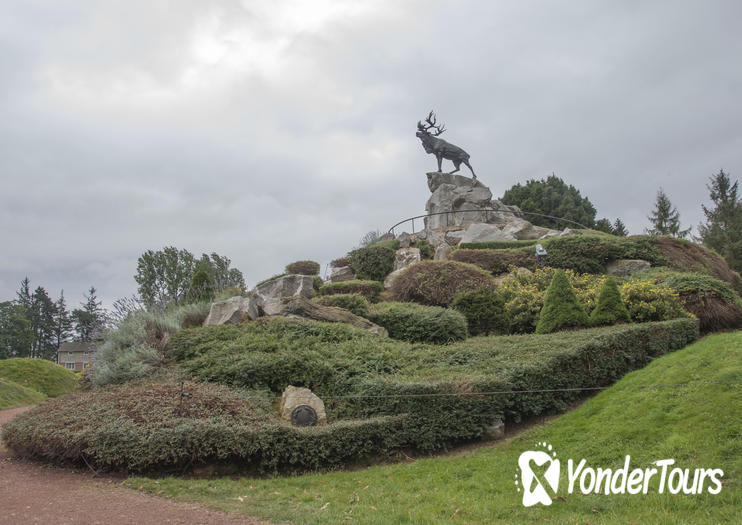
[(438, 283), (303, 268), (38, 374), (371, 290), (484, 311), (353, 302), (592, 253), (317, 283), (561, 307), (426, 250), (496, 261), (610, 308), (716, 305), (419, 324), (373, 262)]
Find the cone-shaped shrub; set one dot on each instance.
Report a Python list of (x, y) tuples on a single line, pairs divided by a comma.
[(561, 308), (610, 308)]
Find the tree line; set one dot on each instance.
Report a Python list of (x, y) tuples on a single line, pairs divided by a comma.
[(33, 325)]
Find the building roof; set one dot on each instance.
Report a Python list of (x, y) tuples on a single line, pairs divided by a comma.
[(76, 346)]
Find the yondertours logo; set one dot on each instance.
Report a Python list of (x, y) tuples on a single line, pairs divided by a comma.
[(537, 477)]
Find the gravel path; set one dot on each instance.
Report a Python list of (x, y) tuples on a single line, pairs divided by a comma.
[(32, 493)]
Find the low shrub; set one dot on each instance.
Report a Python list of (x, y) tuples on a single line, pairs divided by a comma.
[(340, 262), (438, 283), (610, 308), (317, 283), (561, 308), (371, 290), (716, 305), (202, 287), (426, 250), (647, 301), (496, 261), (592, 253), (353, 302), (303, 268), (373, 262), (38, 374), (484, 311), (419, 324)]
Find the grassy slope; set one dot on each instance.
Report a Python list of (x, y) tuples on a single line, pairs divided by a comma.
[(14, 395), (697, 425), (38, 374)]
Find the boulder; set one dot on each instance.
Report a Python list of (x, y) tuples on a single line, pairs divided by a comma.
[(405, 257), (388, 236), (389, 279), (442, 252), (271, 292), (495, 431), (294, 397), (304, 308), (404, 240), (453, 237), (341, 273), (233, 310), (566, 232), (432, 237), (480, 232), (627, 267)]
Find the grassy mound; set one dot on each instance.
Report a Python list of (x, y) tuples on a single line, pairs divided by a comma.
[(438, 283), (371, 290), (38, 374), (689, 423), (353, 302), (14, 395), (686, 256)]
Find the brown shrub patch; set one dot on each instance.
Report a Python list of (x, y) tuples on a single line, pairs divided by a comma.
[(691, 257), (496, 261), (438, 283), (713, 313)]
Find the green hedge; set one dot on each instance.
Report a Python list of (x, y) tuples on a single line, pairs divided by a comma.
[(591, 254), (352, 302), (485, 312), (373, 262), (371, 290), (419, 324)]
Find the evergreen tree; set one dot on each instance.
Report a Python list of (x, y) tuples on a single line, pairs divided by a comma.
[(62, 321), (619, 228), (551, 197), (43, 310), (723, 228), (610, 308), (561, 308), (665, 218), (24, 294), (90, 320), (15, 331), (604, 225)]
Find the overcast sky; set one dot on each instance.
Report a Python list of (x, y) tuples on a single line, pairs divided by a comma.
[(270, 131)]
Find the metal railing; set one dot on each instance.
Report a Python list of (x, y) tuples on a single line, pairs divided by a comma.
[(486, 215)]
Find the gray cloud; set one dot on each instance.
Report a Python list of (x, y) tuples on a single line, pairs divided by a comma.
[(272, 131)]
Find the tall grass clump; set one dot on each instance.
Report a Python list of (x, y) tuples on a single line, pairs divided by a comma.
[(137, 348)]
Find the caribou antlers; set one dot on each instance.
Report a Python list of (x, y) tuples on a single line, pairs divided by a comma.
[(431, 124)]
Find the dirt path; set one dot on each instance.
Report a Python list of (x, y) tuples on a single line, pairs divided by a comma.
[(32, 493)]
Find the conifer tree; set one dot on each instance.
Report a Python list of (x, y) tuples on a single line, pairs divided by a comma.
[(665, 218), (610, 308), (723, 228), (619, 228), (561, 308)]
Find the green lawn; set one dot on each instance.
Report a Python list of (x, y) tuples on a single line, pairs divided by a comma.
[(699, 425), (14, 395), (38, 374)]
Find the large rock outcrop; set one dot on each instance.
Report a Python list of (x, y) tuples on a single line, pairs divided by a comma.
[(233, 310), (306, 309), (271, 292), (466, 213)]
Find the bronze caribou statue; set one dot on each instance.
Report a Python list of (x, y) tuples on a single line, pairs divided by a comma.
[(439, 147)]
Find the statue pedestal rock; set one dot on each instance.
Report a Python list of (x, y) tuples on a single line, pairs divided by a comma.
[(301, 407)]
